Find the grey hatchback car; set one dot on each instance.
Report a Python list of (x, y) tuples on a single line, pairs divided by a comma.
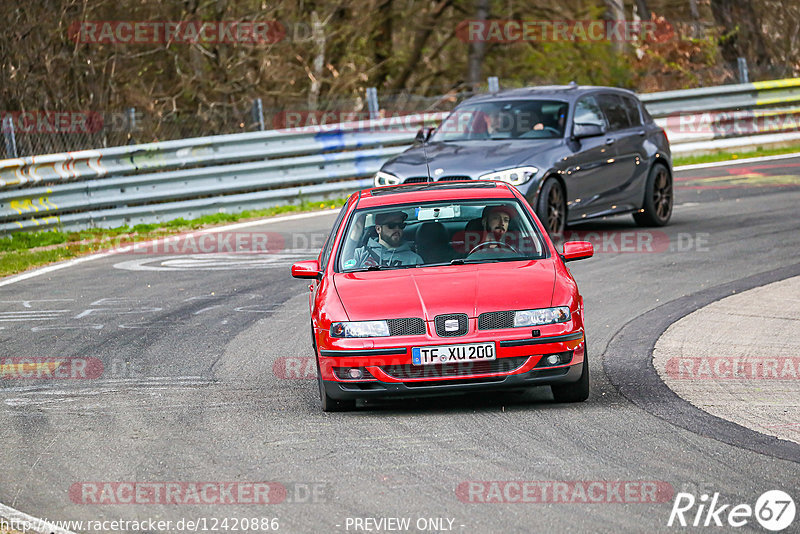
[(575, 152)]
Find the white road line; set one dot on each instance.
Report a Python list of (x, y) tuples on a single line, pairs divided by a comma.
[(69, 263), (69, 327), (15, 517), (198, 312), (734, 162)]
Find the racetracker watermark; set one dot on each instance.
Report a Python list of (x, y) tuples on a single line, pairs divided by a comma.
[(637, 241), (305, 368), (162, 32), (205, 243), (160, 493), (236, 523), (310, 121), (733, 123), (52, 122), (67, 368), (734, 368), (69, 122), (564, 491), (471, 124), (515, 31), (295, 368)]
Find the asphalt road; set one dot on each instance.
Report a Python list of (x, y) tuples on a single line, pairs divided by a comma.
[(190, 390)]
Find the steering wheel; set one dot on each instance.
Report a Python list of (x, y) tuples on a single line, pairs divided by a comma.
[(546, 132), (485, 244)]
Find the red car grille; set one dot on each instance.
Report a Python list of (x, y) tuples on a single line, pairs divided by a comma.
[(502, 365)]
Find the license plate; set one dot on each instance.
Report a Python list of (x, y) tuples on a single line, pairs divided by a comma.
[(439, 354)]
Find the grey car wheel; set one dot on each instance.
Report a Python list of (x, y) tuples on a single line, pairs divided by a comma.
[(551, 207), (658, 198)]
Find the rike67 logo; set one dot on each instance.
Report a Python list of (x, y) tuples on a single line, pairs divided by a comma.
[(774, 510)]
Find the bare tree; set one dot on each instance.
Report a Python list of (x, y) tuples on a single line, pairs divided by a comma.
[(616, 11), (383, 42), (477, 49), (421, 37)]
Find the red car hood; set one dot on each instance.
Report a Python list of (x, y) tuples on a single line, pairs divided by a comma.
[(430, 291)]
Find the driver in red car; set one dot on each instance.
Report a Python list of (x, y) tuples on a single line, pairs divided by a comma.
[(388, 249), (495, 224)]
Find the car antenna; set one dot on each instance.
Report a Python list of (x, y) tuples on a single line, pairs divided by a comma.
[(425, 153)]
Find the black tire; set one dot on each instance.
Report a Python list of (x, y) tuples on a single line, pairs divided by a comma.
[(658, 198), (575, 391), (327, 403), (551, 207)]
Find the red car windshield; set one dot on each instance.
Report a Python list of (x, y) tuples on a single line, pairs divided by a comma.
[(445, 233)]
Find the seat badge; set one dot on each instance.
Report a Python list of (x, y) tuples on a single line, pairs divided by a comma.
[(451, 325)]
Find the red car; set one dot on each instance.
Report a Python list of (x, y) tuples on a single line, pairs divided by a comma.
[(444, 287)]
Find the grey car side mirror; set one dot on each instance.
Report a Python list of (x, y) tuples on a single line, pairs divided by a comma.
[(581, 130)]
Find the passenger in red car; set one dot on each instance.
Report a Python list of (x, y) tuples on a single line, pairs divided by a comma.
[(388, 249)]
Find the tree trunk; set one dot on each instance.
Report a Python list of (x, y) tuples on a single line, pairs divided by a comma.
[(616, 12), (383, 43), (477, 49), (644, 11), (420, 39), (318, 37)]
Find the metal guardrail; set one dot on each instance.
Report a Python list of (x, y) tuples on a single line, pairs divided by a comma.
[(153, 182), (188, 178)]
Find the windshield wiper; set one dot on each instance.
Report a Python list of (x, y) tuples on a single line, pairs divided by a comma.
[(365, 269), (384, 268), (463, 261)]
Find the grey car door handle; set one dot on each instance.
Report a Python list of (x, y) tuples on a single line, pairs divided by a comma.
[(610, 141)]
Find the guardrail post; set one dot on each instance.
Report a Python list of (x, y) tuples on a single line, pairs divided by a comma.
[(258, 114), (372, 103), (131, 125), (494, 84), (743, 74), (11, 140)]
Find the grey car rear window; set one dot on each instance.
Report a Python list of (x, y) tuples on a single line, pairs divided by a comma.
[(614, 111)]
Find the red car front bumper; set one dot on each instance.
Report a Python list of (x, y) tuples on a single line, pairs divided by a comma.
[(386, 368)]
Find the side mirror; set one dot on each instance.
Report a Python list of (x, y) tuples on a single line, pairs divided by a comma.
[(577, 250), (306, 269), (582, 130), (423, 135)]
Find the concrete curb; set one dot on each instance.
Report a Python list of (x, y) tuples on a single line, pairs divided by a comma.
[(628, 363), (737, 358)]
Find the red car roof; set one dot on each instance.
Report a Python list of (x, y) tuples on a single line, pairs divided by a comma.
[(422, 192)]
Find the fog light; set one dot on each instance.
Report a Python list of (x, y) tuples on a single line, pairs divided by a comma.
[(553, 359), (355, 373)]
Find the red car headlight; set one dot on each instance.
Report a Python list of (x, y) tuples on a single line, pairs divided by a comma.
[(541, 316), (360, 329)]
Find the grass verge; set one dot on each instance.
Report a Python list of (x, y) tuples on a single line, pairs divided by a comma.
[(26, 250), (733, 155)]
